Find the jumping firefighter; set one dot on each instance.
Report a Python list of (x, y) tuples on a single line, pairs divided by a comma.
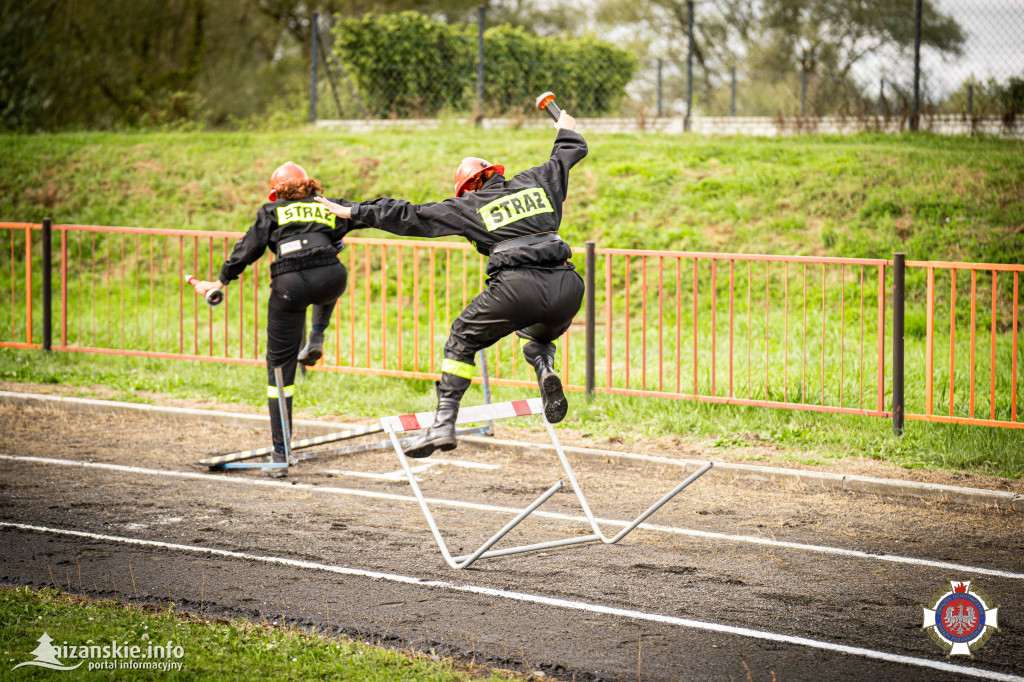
[(532, 288), (306, 240)]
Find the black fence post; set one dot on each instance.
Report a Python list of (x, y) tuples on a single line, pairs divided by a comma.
[(590, 264), (313, 40), (898, 305), (659, 87), (803, 92), (689, 64), (47, 287), (915, 114), (480, 11), (732, 91)]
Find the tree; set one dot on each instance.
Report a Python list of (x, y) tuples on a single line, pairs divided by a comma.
[(776, 39), (840, 33), (162, 62)]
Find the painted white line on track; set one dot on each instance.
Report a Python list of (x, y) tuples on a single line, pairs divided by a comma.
[(822, 549), (548, 601), (400, 473)]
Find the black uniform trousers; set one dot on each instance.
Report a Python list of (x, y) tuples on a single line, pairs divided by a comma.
[(290, 294), (537, 304)]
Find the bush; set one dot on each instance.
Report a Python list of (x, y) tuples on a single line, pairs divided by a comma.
[(405, 64)]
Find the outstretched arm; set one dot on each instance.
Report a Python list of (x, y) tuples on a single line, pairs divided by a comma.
[(403, 218), (343, 212)]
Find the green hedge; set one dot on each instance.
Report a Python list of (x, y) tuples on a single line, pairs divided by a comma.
[(406, 64)]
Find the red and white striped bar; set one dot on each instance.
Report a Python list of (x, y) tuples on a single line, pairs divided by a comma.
[(474, 413)]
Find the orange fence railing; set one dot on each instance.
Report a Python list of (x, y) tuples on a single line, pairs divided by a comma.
[(841, 335)]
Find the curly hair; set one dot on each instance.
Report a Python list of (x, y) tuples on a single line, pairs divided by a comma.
[(298, 189)]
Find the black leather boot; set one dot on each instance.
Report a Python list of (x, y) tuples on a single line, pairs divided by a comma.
[(441, 434), (313, 350), (279, 457), (555, 404), (542, 357)]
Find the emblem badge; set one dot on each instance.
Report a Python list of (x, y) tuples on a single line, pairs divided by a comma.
[(960, 619)]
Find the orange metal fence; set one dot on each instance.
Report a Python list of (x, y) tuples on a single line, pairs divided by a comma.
[(787, 332), (970, 379), (772, 331)]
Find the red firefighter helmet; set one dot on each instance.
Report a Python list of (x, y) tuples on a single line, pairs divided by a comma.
[(471, 167), (286, 171)]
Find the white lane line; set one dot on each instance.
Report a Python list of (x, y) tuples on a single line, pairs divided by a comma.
[(822, 549), (548, 601), (468, 465), (400, 473)]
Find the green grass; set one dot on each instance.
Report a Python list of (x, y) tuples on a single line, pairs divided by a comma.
[(863, 196), (824, 438), (860, 196), (210, 648)]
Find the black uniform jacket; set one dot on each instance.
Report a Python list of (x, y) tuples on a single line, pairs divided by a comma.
[(280, 222), (528, 204)]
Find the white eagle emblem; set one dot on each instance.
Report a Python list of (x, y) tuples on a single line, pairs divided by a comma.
[(960, 620)]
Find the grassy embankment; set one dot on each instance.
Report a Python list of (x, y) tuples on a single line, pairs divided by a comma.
[(934, 198)]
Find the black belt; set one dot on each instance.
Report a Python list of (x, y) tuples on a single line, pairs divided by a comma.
[(301, 243), (528, 240)]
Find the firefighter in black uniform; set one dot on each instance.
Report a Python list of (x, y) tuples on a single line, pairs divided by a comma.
[(532, 288), (306, 239)]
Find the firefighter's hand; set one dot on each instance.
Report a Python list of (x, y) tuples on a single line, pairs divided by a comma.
[(203, 287), (336, 209), (565, 121)]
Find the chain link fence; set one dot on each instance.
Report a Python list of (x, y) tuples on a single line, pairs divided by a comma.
[(987, 77), (912, 61)]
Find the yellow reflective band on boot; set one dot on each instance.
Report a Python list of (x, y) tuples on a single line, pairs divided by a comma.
[(459, 369), (272, 391)]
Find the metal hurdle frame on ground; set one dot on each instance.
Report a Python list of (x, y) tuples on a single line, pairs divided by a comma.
[(237, 460), (519, 408)]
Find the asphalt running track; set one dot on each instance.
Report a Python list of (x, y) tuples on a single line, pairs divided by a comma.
[(728, 580)]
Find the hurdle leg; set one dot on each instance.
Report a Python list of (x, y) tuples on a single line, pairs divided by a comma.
[(586, 507), (463, 562), (282, 405), (485, 378)]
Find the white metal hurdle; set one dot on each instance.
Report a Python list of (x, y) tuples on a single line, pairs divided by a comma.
[(519, 408)]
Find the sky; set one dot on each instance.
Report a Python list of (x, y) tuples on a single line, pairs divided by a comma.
[(995, 40)]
